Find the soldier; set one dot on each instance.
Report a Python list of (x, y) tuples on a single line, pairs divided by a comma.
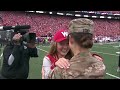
[(82, 65)]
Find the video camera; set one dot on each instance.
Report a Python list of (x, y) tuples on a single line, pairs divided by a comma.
[(7, 33)]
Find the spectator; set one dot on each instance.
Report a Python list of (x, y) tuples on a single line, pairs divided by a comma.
[(59, 49)]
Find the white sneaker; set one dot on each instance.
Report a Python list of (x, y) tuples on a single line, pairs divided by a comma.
[(118, 69)]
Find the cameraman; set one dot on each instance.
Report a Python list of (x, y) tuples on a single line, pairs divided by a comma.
[(16, 56)]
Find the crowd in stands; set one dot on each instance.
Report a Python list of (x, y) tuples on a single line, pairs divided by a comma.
[(42, 25)]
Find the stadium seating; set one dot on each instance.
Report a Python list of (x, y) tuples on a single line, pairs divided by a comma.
[(43, 24)]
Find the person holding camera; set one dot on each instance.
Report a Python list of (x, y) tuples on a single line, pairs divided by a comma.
[(16, 56)]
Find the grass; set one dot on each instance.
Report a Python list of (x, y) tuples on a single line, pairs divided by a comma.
[(105, 50)]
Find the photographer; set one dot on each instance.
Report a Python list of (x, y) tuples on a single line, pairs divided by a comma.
[(16, 56)]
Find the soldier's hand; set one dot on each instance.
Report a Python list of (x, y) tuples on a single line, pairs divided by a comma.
[(62, 63)]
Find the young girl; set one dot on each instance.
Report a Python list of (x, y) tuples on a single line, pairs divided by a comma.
[(59, 49)]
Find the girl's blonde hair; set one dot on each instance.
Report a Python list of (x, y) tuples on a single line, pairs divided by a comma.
[(53, 49)]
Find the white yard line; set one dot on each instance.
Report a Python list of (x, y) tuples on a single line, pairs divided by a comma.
[(103, 47), (106, 73), (42, 50), (44, 46), (95, 51), (113, 75), (92, 51), (112, 43), (105, 53)]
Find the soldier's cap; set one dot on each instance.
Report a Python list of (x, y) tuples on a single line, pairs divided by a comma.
[(82, 25)]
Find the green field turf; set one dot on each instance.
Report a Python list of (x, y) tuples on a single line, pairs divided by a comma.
[(107, 51)]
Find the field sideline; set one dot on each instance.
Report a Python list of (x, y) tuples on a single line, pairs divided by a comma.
[(107, 51)]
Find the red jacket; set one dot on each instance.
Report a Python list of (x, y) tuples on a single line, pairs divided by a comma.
[(53, 60)]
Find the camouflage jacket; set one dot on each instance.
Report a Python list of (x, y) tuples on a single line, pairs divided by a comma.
[(82, 66)]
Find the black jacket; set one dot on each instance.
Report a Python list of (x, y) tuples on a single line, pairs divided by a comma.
[(19, 69)]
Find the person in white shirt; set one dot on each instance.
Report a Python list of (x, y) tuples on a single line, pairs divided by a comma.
[(59, 49)]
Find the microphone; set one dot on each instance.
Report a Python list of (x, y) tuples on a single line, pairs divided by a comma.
[(22, 27), (15, 27)]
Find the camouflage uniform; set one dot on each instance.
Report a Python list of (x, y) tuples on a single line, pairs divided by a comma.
[(82, 65)]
